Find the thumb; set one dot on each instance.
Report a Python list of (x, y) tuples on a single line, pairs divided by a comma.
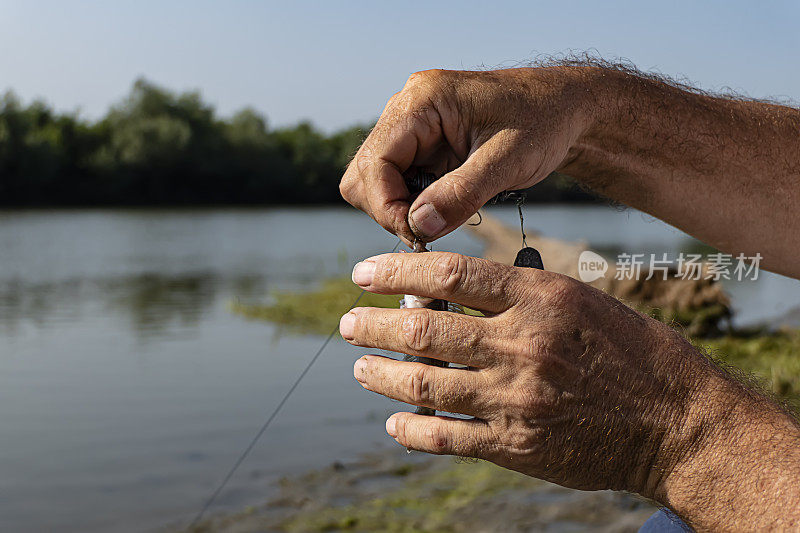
[(448, 202)]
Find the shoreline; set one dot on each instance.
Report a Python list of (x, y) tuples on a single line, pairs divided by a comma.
[(392, 490)]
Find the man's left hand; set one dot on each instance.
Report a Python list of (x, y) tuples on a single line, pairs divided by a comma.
[(562, 381)]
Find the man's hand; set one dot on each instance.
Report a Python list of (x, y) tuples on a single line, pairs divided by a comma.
[(723, 170), (484, 133), (567, 384)]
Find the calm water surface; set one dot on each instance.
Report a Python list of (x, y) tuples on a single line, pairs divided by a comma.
[(127, 387)]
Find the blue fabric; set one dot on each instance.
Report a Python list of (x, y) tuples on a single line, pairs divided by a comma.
[(664, 521)]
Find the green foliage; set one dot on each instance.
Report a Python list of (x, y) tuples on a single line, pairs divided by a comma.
[(159, 147)]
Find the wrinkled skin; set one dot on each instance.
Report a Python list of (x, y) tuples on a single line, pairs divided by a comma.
[(478, 130), (561, 380)]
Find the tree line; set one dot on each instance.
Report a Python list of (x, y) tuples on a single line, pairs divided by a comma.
[(157, 147)]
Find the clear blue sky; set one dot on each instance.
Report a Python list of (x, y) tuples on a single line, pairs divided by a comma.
[(337, 63)]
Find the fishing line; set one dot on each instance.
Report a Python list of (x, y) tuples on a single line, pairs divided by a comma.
[(275, 412), (520, 201)]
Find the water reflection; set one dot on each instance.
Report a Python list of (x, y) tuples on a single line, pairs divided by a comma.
[(150, 304), (157, 305)]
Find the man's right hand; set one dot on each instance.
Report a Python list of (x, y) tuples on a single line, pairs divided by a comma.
[(721, 169), (483, 132)]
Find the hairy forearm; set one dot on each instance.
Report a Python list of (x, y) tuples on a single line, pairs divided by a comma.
[(741, 466), (728, 172), (724, 170)]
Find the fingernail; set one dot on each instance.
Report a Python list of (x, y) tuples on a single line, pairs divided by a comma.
[(347, 326), (359, 370), (391, 426), (427, 221), (363, 273)]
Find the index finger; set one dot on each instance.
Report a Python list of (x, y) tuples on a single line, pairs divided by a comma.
[(408, 130), (477, 283), (378, 167)]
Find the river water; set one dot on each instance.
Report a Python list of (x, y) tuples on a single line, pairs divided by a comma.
[(127, 387)]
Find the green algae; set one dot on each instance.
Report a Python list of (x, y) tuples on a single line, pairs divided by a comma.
[(316, 311), (432, 502), (772, 357)]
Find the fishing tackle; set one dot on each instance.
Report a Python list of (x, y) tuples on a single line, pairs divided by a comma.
[(410, 301), (527, 257)]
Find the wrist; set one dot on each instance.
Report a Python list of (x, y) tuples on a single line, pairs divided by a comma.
[(734, 449), (707, 418), (678, 416), (601, 100)]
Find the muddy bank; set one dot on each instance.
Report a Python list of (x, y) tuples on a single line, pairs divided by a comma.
[(396, 491)]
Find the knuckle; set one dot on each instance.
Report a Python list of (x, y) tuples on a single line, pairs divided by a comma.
[(537, 356), (418, 385), (425, 76), (466, 193), (393, 100), (414, 79), (509, 281), (417, 330), (436, 438), (492, 448), (526, 402), (564, 292), (388, 273), (530, 397), (363, 160), (482, 447), (347, 189), (451, 271), (470, 339), (344, 188), (423, 87), (526, 441), (368, 330)]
